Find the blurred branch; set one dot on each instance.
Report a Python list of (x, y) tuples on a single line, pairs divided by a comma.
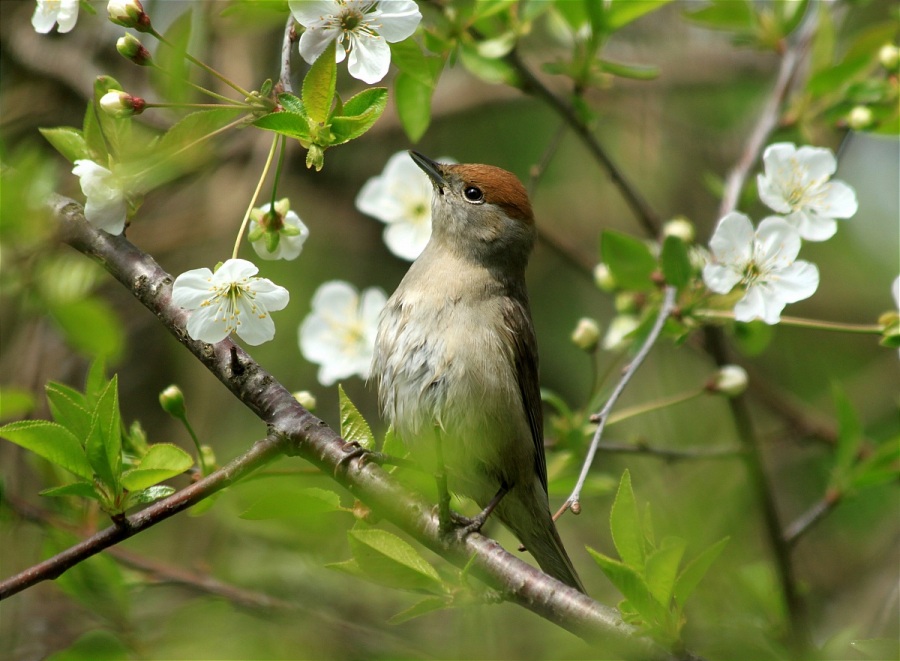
[(531, 84), (295, 431), (802, 524), (669, 454), (290, 36)]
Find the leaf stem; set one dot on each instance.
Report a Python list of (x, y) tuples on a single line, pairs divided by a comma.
[(262, 179), (836, 326)]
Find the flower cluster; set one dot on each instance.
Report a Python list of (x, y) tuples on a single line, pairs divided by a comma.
[(763, 262)]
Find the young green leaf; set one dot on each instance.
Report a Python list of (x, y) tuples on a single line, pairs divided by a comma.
[(162, 461), (67, 406), (725, 15), (104, 441), (90, 326), (625, 525), (620, 13), (51, 441), (150, 495), (662, 569), (319, 85), (292, 104), (676, 263), (286, 123), (78, 489), (631, 71), (427, 605), (413, 99), (632, 585), (67, 141), (385, 558), (360, 113), (354, 428), (170, 78), (303, 504), (695, 570), (629, 260), (849, 439)]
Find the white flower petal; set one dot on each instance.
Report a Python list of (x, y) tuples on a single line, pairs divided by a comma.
[(192, 288), (720, 278), (895, 290), (777, 242), (107, 215), (373, 302), (399, 19), (270, 296), (732, 242), (374, 199), (205, 327), (257, 330), (234, 270), (839, 201), (313, 12), (812, 227), (818, 162), (759, 304), (44, 18), (797, 282), (370, 58), (68, 15), (336, 298), (315, 40), (407, 240), (771, 194)]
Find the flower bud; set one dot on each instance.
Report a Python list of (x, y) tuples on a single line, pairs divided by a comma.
[(730, 380), (616, 336), (627, 302), (859, 118), (603, 278), (128, 14), (680, 227), (889, 56), (172, 401), (586, 334), (119, 104), (132, 49), (306, 399)]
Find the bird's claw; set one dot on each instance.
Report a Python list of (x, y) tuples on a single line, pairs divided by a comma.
[(351, 451)]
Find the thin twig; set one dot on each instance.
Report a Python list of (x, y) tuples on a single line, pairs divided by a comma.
[(802, 524), (665, 309)]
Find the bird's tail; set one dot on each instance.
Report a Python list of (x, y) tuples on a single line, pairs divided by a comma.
[(530, 520)]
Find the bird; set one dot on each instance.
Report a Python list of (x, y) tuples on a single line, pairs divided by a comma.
[(456, 361)]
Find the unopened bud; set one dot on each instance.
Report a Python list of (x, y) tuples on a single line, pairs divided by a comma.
[(603, 278), (626, 302), (128, 14), (889, 56), (620, 327), (730, 380), (680, 227), (119, 104), (132, 49), (172, 401), (306, 399), (859, 118), (586, 334)]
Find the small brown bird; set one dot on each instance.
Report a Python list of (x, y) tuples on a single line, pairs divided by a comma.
[(456, 358)]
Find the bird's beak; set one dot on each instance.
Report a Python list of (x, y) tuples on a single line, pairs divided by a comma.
[(431, 168)]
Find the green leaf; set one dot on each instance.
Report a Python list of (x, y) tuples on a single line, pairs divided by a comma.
[(96, 645), (360, 113), (662, 569), (676, 262), (150, 495), (629, 260), (162, 461), (354, 428), (67, 141), (393, 445), (95, 383), (877, 649), (286, 123), (15, 402), (849, 438), (620, 13), (695, 570), (879, 467), (78, 489), (51, 441), (413, 99), (488, 69), (753, 337), (90, 326), (67, 406), (104, 442), (630, 583), (725, 15), (625, 525), (386, 559), (632, 71), (305, 503), (427, 605), (171, 75), (319, 85), (292, 104)]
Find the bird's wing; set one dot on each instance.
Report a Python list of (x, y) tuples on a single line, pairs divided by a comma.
[(517, 322)]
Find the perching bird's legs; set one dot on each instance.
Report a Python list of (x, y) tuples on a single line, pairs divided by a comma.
[(477, 522), (445, 522), (352, 450)]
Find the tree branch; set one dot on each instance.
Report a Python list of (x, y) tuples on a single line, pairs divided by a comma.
[(295, 431)]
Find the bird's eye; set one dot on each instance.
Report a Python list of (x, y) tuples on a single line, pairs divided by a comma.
[(473, 194)]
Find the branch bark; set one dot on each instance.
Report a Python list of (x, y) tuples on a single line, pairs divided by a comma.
[(295, 431)]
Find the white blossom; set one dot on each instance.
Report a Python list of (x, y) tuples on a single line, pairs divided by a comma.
[(339, 333), (362, 28), (229, 301), (283, 223), (763, 263), (796, 183), (620, 327), (48, 13), (730, 380), (105, 208), (400, 197)]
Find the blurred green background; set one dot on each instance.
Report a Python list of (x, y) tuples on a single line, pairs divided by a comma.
[(671, 136)]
